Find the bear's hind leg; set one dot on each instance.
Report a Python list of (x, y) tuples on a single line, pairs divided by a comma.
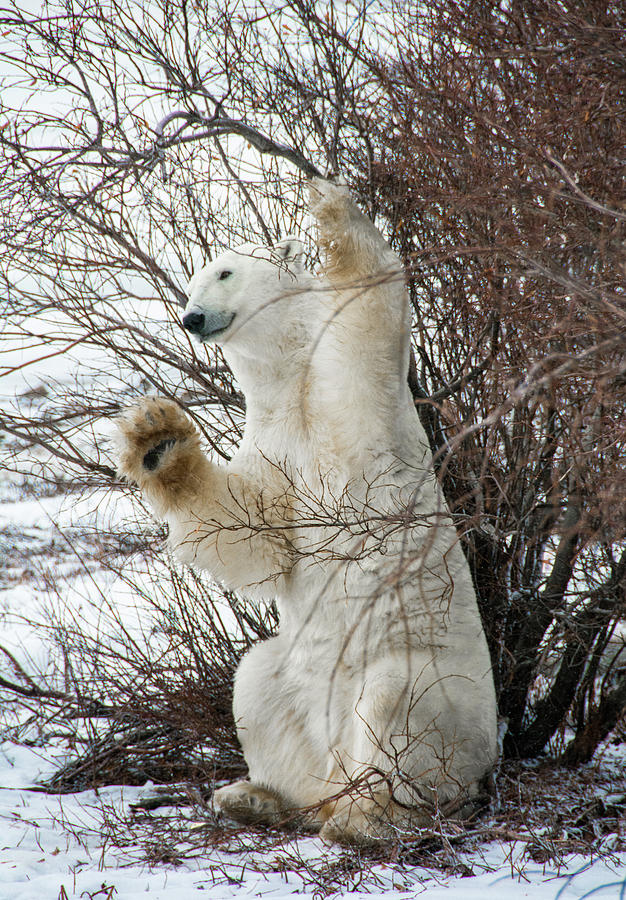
[(289, 769), (396, 757)]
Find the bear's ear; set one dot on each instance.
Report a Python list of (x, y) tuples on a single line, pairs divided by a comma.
[(291, 251)]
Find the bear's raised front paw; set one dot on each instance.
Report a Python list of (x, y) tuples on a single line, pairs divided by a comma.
[(249, 804), (329, 200), (151, 436)]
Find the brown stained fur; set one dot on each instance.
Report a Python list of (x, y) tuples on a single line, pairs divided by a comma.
[(341, 251), (181, 469), (333, 219)]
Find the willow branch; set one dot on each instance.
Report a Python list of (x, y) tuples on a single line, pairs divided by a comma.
[(219, 125)]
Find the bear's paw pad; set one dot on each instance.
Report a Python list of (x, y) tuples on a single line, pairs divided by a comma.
[(153, 457)]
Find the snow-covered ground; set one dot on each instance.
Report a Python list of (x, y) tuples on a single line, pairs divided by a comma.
[(57, 847)]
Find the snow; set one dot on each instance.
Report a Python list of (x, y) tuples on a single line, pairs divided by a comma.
[(52, 845)]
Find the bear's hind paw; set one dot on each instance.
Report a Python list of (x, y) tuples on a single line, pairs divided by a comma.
[(249, 804), (369, 833)]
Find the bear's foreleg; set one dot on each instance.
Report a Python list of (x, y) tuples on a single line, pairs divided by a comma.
[(363, 347), (289, 762), (351, 241), (217, 519)]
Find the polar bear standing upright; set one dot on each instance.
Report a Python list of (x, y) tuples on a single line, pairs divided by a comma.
[(374, 706)]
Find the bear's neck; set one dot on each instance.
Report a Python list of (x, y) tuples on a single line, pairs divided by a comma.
[(273, 387)]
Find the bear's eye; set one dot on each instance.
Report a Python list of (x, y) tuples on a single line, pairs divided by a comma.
[(225, 274)]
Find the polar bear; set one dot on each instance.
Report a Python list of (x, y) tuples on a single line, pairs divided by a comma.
[(373, 708)]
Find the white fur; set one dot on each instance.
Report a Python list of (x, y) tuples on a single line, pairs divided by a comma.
[(381, 660)]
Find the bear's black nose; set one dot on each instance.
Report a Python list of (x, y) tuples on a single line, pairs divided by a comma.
[(194, 322)]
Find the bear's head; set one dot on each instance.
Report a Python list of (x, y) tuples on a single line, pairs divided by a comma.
[(240, 298)]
